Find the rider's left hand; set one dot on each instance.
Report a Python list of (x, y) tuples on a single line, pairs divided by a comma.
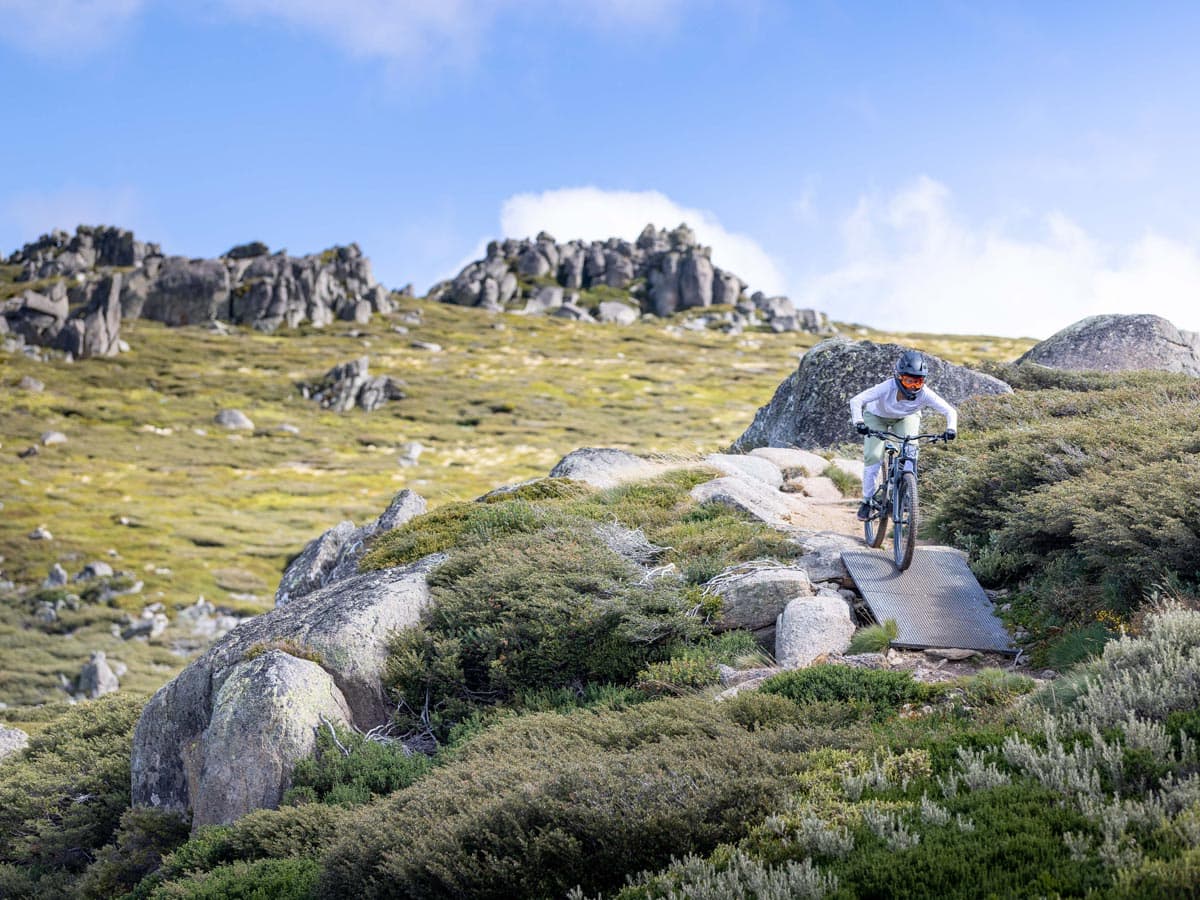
[(949, 434)]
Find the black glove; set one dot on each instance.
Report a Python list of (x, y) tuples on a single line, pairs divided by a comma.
[(949, 434), (861, 428)]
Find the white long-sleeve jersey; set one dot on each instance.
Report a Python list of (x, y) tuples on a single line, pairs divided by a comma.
[(886, 401)]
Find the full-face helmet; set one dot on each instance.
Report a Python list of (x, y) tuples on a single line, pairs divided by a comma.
[(911, 371)]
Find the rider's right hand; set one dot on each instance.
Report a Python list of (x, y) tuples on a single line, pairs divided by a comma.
[(861, 428)]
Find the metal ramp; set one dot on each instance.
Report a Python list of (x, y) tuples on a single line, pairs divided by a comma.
[(935, 603)]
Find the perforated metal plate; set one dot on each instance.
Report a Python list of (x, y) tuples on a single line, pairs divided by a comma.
[(935, 603)]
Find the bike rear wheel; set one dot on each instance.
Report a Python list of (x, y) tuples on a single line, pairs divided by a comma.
[(904, 531)]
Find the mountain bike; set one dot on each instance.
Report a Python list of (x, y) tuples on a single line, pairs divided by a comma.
[(896, 496)]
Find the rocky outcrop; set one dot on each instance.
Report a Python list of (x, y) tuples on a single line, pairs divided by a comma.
[(197, 734), (349, 385), (335, 554), (664, 272), (59, 254), (102, 275), (811, 408), (1119, 344)]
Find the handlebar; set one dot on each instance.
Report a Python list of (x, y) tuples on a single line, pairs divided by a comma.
[(884, 435)]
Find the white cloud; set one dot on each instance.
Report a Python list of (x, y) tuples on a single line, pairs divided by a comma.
[(65, 28), (30, 214), (400, 31), (590, 213), (391, 29), (911, 264), (403, 31)]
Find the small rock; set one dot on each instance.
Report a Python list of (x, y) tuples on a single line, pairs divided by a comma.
[(96, 678), (31, 384), (288, 429), (95, 569), (234, 419), (41, 533), (50, 438), (12, 741), (56, 578), (1048, 674), (29, 451), (428, 346), (410, 453), (954, 654)]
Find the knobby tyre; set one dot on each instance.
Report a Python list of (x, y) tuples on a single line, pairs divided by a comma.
[(876, 525), (904, 532)]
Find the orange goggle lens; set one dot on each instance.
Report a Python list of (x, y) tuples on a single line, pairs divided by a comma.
[(912, 382)]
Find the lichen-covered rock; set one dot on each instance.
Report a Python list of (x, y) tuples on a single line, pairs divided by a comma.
[(603, 467), (752, 496), (1117, 343), (344, 629), (335, 554), (754, 599), (747, 467), (264, 720), (810, 627), (811, 408)]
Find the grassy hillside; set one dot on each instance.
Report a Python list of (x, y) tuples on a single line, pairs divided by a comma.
[(612, 773), (192, 510)]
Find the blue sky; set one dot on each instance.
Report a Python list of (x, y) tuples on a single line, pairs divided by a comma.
[(994, 168)]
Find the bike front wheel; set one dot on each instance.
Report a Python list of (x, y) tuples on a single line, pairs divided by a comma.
[(876, 525), (904, 531)]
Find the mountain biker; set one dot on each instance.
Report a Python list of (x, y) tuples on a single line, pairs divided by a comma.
[(895, 405)]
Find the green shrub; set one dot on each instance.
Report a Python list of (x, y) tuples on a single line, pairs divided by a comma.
[(993, 686), (677, 676), (143, 838), (532, 612), (1076, 645), (755, 710), (63, 799), (1082, 485), (541, 803), (1148, 677), (264, 879), (737, 875), (885, 691), (1013, 847), (290, 832), (369, 769), (443, 528), (873, 638)]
